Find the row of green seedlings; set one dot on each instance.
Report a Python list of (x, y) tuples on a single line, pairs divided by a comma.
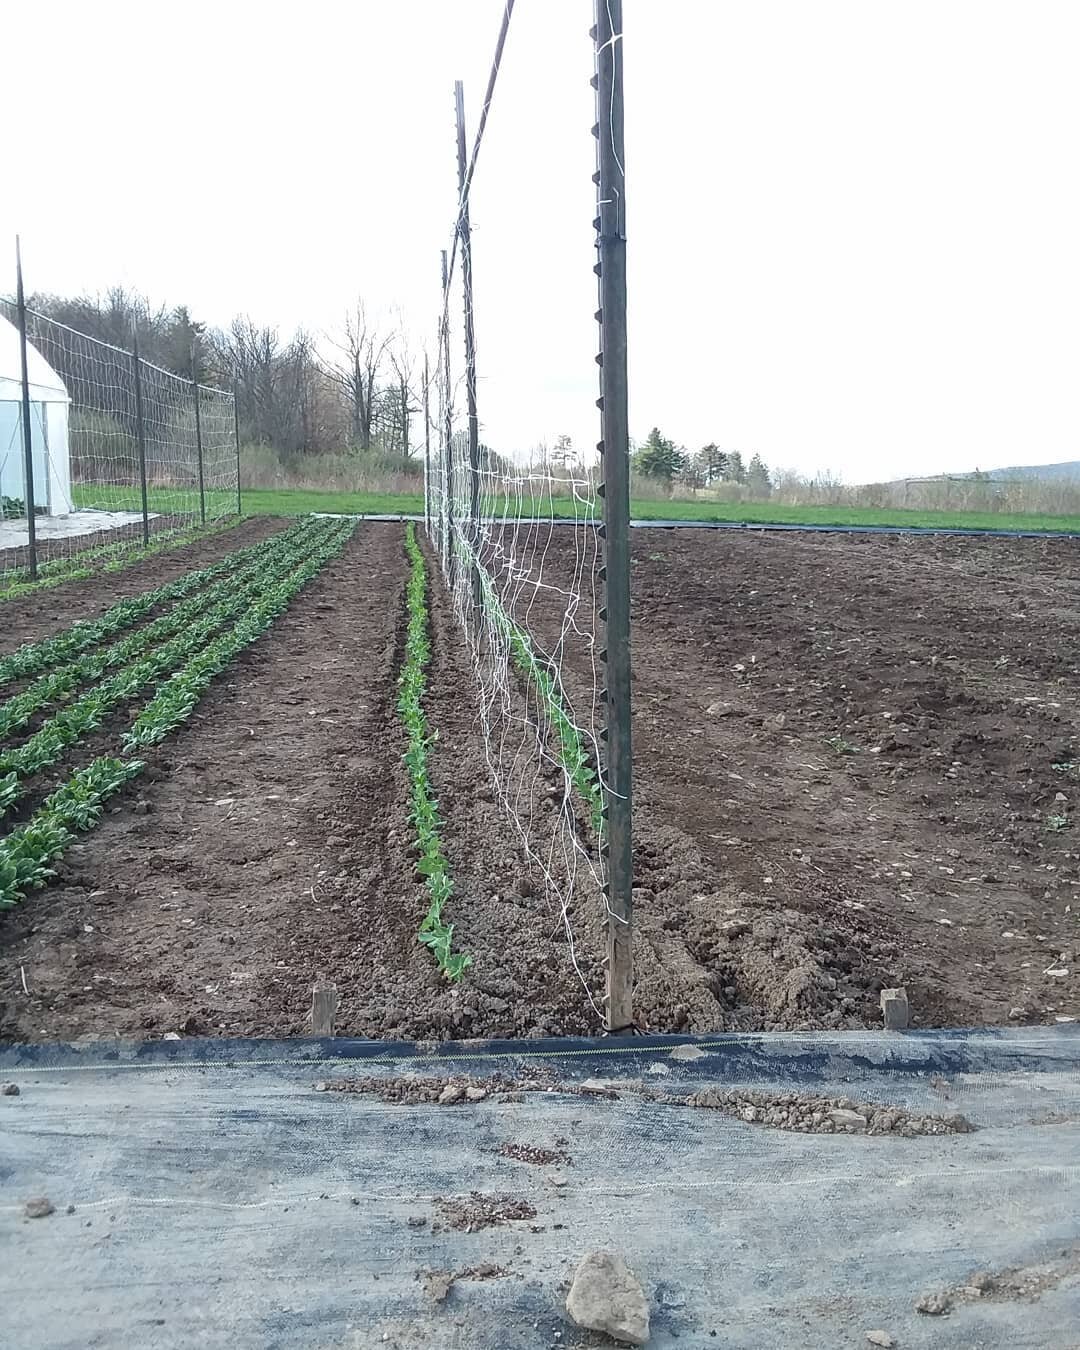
[(240, 567), (435, 933), (34, 657), (570, 743), (106, 558), (27, 854), (86, 714)]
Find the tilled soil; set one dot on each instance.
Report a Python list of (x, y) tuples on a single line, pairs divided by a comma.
[(269, 847), (42, 613), (856, 766), (855, 769)]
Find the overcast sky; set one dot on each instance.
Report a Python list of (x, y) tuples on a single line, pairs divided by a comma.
[(854, 226)]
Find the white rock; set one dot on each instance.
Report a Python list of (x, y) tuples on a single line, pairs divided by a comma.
[(841, 1118), (606, 1296), (881, 1338)]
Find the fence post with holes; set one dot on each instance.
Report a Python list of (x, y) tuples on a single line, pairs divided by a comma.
[(236, 437), (198, 434), (427, 447), (464, 230), (450, 561), (140, 434), (614, 489)]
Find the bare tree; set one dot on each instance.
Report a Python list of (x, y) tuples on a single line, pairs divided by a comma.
[(356, 372), (404, 399)]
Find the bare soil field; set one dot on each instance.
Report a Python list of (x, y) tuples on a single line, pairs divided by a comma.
[(855, 769), (856, 765)]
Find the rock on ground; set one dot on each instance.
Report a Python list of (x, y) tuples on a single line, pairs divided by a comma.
[(606, 1296)]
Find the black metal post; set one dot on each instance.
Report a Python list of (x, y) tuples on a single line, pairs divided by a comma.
[(427, 447), (465, 235), (236, 435), (614, 489), (140, 434), (198, 434), (28, 433), (448, 461)]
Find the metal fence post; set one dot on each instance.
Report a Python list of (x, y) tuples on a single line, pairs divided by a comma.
[(28, 433), (464, 230), (140, 434), (198, 435), (236, 435), (614, 488), (427, 447), (448, 463)]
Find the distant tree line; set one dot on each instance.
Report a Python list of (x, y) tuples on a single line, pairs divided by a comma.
[(659, 459), (360, 388)]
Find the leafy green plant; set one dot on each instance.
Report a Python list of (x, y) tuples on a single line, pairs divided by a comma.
[(435, 933), (572, 753), (1056, 823), (35, 657), (27, 853), (15, 712), (111, 557), (175, 699), (266, 578), (841, 746)]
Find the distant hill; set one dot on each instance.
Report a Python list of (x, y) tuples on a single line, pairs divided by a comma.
[(1048, 473)]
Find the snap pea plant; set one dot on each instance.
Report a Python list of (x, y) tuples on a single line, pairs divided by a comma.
[(435, 933), (572, 754)]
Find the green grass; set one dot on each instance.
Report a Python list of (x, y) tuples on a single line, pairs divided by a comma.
[(300, 501)]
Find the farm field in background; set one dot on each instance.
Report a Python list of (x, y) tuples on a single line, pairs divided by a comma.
[(857, 766), (298, 501)]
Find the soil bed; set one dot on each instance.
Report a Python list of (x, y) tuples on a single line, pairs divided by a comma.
[(857, 767), (42, 613)]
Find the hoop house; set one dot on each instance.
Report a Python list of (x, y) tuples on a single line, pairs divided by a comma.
[(49, 403)]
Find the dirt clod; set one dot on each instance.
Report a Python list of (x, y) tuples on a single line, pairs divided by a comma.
[(39, 1208), (9, 1090), (532, 1153), (477, 1211), (821, 1115)]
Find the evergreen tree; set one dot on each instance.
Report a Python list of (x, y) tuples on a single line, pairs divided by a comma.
[(757, 475), (658, 458)]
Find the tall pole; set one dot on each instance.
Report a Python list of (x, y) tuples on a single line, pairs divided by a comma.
[(427, 447), (236, 437), (28, 435), (448, 441), (614, 489), (140, 433), (465, 235), (198, 434)]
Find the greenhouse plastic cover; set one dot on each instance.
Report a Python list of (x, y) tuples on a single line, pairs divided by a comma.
[(223, 1197)]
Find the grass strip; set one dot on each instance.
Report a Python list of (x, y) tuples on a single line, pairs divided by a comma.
[(435, 933), (28, 852)]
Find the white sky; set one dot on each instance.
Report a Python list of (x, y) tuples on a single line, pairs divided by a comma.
[(854, 226)]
